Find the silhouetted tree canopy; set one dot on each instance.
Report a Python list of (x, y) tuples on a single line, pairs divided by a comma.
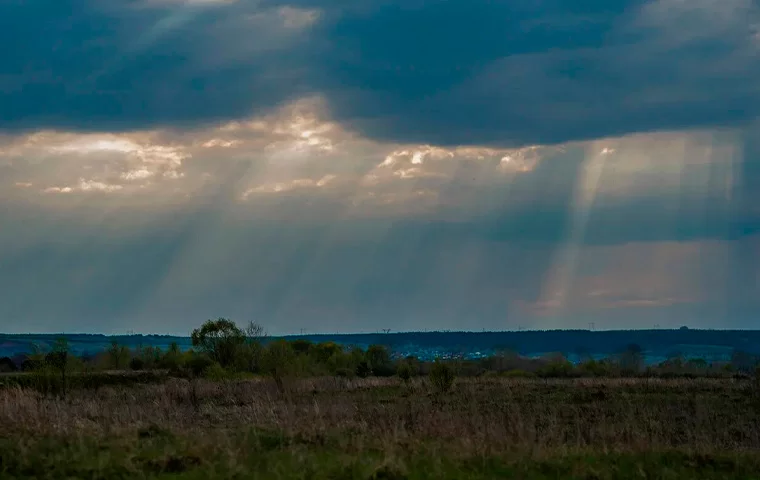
[(220, 339)]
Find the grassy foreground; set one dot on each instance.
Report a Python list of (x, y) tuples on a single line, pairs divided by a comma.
[(380, 428)]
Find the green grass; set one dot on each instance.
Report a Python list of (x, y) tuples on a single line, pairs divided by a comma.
[(380, 428), (275, 456)]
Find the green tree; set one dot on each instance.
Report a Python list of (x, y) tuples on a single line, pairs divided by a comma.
[(363, 369), (58, 359), (137, 363), (556, 368), (118, 355), (197, 363), (379, 360), (252, 350), (277, 361), (151, 357), (35, 360), (404, 372), (594, 368), (301, 346), (221, 339), (326, 350), (172, 359), (356, 355), (442, 376)]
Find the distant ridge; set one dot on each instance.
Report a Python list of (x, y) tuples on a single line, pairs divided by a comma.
[(657, 342)]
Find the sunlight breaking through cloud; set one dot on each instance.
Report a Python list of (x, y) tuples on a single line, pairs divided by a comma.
[(463, 214)]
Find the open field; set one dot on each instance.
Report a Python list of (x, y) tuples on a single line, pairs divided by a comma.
[(381, 428)]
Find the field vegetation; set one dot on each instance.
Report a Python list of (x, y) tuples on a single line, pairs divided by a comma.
[(242, 406)]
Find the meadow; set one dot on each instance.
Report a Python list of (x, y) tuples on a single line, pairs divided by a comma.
[(234, 408), (385, 428)]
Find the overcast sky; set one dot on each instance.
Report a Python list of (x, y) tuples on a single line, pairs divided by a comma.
[(333, 165)]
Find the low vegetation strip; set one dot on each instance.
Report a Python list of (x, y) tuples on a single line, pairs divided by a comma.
[(222, 351), (177, 458), (332, 427), (240, 406)]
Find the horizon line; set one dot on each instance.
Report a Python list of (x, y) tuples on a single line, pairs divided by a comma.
[(400, 332)]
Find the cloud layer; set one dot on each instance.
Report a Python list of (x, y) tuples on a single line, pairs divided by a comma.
[(445, 73), (292, 219), (352, 166)]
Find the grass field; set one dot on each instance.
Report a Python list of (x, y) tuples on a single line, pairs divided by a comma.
[(381, 428)]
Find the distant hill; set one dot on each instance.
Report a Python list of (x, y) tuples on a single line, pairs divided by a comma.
[(11, 344), (657, 343)]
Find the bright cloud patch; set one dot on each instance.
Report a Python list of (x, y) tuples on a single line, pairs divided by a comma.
[(649, 225), (85, 186)]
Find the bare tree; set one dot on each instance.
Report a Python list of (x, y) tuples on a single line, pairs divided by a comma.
[(254, 332)]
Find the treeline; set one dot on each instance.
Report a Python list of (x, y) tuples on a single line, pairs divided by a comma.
[(656, 342), (606, 342), (223, 351)]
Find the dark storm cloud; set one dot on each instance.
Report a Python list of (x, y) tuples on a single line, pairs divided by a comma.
[(542, 72), (462, 72), (91, 65)]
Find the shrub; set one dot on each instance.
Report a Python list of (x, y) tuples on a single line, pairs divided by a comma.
[(45, 380), (344, 372), (384, 370), (172, 360), (198, 363), (323, 352), (556, 369), (118, 356), (277, 361), (250, 357), (518, 374), (404, 371), (363, 370), (215, 372), (301, 346), (442, 376), (137, 363), (594, 368), (379, 360)]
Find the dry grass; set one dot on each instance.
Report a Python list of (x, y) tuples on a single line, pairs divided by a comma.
[(478, 419), (478, 416)]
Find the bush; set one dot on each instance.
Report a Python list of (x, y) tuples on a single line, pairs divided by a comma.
[(137, 363), (441, 376), (379, 360), (215, 372), (518, 374), (556, 369), (594, 368), (404, 372), (363, 370), (301, 346), (46, 381), (278, 361), (344, 373), (385, 370), (198, 363), (172, 360)]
